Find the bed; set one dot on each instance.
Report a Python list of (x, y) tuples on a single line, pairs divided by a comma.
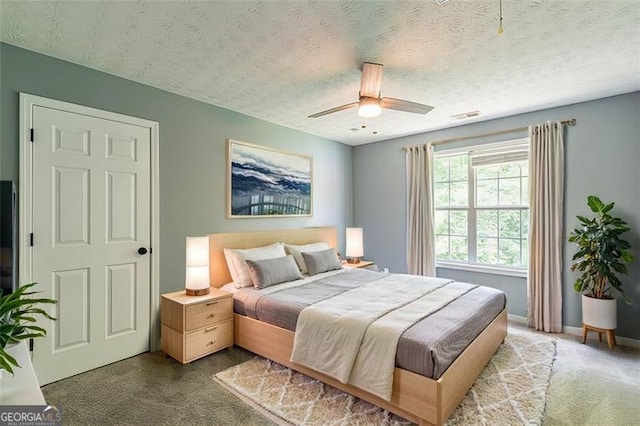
[(416, 397)]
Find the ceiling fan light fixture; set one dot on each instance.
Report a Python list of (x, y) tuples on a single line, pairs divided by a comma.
[(369, 107), (370, 103)]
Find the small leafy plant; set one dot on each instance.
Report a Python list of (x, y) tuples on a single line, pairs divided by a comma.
[(17, 322), (602, 253)]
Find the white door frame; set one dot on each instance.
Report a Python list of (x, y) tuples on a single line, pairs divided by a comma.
[(25, 194)]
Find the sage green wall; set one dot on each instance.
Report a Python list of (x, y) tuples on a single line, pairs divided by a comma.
[(602, 155), (192, 150)]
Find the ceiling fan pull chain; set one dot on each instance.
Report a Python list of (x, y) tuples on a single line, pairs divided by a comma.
[(500, 30)]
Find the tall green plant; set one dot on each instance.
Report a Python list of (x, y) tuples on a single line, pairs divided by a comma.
[(17, 322), (602, 254)]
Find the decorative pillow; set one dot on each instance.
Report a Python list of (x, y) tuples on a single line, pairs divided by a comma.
[(273, 271), (321, 261), (296, 252), (236, 261)]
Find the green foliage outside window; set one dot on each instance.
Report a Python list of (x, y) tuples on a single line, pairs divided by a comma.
[(498, 212)]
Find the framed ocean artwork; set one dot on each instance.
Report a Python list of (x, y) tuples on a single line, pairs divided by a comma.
[(266, 182)]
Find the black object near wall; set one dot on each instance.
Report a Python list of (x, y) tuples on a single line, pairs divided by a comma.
[(8, 237)]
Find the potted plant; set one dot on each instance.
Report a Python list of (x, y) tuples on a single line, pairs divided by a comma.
[(17, 322), (602, 255)]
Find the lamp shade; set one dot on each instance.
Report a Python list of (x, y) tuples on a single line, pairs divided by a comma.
[(197, 281), (355, 246)]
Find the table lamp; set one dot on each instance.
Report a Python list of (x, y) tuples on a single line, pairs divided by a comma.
[(355, 249), (197, 281)]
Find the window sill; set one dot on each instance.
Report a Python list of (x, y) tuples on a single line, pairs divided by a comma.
[(513, 272)]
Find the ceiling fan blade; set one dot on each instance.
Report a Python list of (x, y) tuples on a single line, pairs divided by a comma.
[(371, 81), (336, 109), (406, 106)]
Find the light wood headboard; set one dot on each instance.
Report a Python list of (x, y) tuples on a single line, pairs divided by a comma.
[(218, 270)]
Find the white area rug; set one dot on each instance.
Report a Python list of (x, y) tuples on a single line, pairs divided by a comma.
[(510, 391)]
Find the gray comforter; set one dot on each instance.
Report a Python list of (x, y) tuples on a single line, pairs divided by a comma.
[(427, 348)]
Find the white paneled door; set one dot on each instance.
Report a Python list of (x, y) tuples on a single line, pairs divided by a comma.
[(91, 239)]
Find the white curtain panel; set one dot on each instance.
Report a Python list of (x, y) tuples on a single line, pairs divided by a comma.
[(546, 188), (420, 211)]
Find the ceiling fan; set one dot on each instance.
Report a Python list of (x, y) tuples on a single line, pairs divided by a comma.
[(370, 103)]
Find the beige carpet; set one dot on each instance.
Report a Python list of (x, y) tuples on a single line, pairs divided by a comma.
[(593, 386), (510, 391)]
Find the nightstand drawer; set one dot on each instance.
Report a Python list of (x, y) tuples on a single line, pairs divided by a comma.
[(208, 340), (207, 313)]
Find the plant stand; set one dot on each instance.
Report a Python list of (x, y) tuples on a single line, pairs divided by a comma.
[(611, 336)]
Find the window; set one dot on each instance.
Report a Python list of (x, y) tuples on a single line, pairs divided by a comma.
[(481, 202)]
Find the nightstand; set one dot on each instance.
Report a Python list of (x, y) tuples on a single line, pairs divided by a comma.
[(195, 326), (366, 264)]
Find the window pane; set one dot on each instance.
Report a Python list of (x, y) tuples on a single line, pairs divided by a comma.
[(441, 196), (441, 170), (487, 223), (525, 192), (509, 194), (459, 248), (524, 224), (442, 247), (509, 252), (442, 222), (459, 194), (509, 224), (488, 251), (525, 252), (524, 168), (459, 168), (487, 192), (458, 221), (487, 172), (509, 170)]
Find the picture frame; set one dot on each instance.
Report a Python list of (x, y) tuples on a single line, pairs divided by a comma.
[(265, 182)]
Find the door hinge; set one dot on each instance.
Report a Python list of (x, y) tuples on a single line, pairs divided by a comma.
[(31, 239), (30, 345), (31, 135)]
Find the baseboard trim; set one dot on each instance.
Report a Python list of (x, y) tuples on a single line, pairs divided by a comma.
[(517, 319), (577, 331)]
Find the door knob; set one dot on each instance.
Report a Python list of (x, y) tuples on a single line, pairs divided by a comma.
[(142, 250)]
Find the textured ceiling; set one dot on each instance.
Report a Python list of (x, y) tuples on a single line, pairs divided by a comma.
[(283, 60)]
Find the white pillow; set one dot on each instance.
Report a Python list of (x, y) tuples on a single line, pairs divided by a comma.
[(236, 261), (296, 252)]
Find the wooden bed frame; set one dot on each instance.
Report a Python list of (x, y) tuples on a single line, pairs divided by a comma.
[(417, 398)]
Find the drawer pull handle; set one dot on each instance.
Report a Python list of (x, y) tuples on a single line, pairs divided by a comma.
[(210, 329), (211, 343), (211, 315), (212, 303)]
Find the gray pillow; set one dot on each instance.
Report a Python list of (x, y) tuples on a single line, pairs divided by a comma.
[(321, 261), (273, 271)]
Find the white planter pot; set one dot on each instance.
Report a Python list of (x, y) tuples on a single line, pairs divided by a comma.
[(600, 313)]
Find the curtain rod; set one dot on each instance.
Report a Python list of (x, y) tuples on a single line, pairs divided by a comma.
[(568, 122)]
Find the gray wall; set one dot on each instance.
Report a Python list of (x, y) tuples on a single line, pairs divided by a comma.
[(602, 156), (192, 150)]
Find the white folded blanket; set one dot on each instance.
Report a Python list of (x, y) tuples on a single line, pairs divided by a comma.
[(353, 336)]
